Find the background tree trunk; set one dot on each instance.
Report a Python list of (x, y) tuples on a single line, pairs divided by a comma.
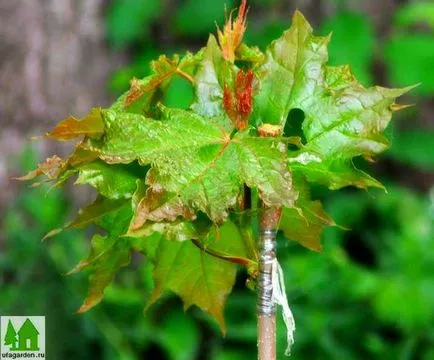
[(53, 62)]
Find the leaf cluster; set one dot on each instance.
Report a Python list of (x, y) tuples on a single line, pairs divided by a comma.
[(182, 186)]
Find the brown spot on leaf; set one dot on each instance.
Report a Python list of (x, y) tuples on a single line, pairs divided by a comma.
[(159, 205)]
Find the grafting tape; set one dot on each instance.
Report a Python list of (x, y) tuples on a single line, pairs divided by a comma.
[(267, 254)]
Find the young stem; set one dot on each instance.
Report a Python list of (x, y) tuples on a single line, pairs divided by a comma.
[(244, 223), (266, 310)]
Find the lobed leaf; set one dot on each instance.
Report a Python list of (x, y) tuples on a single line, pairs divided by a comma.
[(143, 91), (197, 277), (107, 256), (305, 222), (342, 118), (108, 253), (290, 70), (217, 165)]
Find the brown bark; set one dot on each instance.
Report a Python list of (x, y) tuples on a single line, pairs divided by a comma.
[(267, 337), (53, 59), (266, 309), (268, 223), (53, 62)]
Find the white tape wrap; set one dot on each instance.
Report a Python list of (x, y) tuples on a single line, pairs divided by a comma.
[(279, 298)]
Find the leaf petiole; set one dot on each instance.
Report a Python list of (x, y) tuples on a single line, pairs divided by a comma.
[(249, 264), (186, 76)]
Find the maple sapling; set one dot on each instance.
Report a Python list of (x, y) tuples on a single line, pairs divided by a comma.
[(186, 187)]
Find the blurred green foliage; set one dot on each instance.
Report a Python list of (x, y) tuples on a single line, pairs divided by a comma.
[(414, 148), (193, 19), (355, 47), (369, 295), (410, 54), (414, 13), (414, 64), (129, 21)]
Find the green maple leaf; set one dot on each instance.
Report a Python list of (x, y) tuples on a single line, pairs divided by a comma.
[(217, 164), (212, 75), (305, 222), (91, 214), (108, 253), (143, 93), (342, 118), (94, 212), (196, 276), (107, 256), (111, 181)]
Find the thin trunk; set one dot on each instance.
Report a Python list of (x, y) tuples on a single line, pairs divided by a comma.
[(266, 309), (267, 337)]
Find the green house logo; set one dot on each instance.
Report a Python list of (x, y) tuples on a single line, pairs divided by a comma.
[(25, 339), (22, 334)]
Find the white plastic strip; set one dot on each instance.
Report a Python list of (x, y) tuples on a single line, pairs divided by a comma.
[(279, 298)]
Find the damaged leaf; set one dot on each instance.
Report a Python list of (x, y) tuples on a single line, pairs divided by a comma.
[(342, 119), (217, 164), (90, 125)]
